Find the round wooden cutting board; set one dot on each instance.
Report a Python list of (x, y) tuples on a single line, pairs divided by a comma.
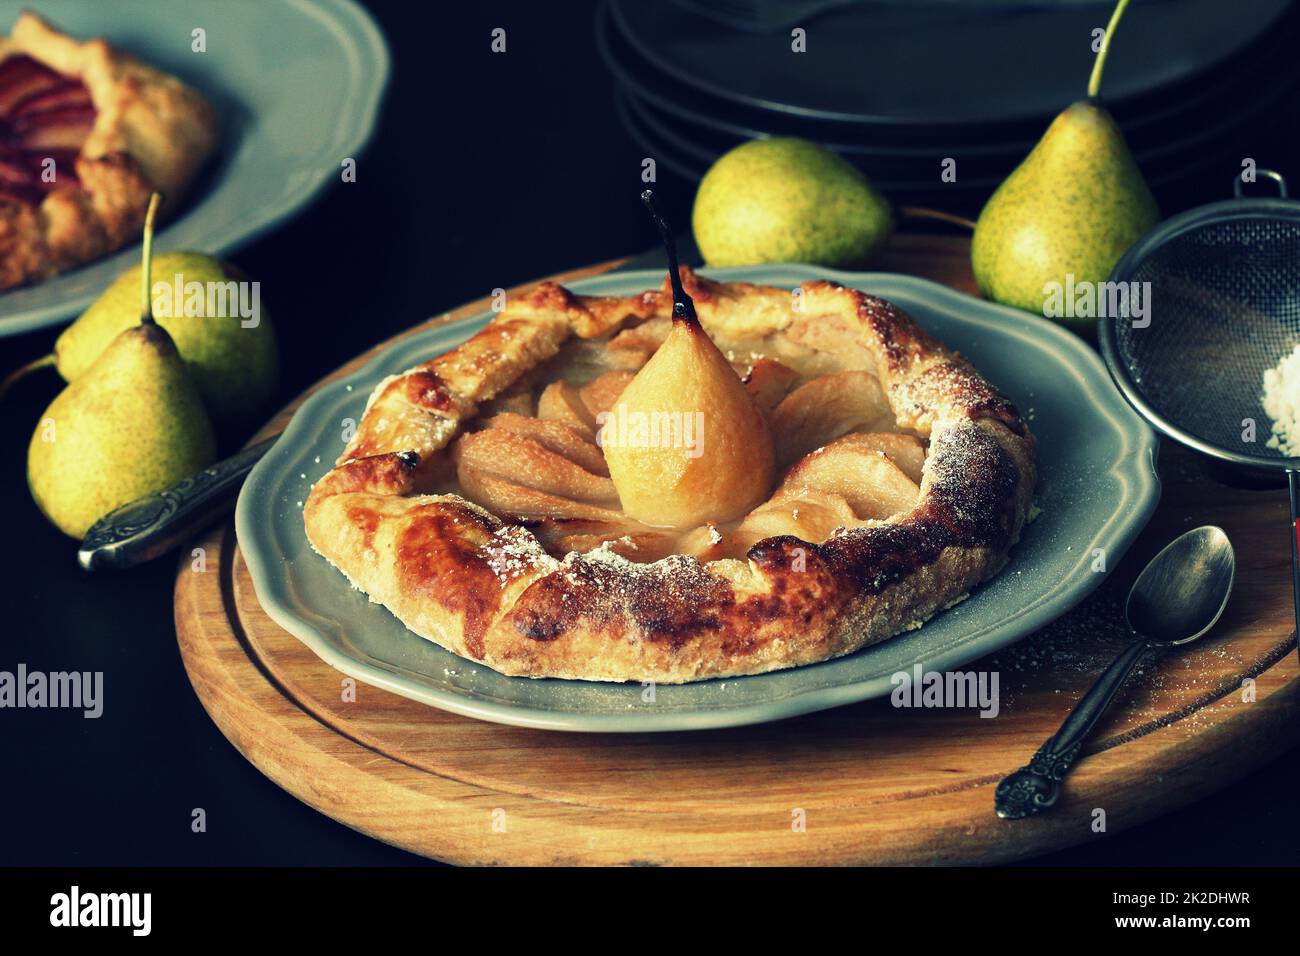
[(868, 783)]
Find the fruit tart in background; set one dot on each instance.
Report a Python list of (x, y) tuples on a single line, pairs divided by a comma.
[(87, 133)]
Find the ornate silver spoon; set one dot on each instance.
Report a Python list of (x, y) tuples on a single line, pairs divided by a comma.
[(1178, 597)]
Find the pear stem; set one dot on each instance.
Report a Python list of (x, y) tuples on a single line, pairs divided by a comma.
[(146, 266), (18, 374), (920, 212), (683, 305), (1094, 81)]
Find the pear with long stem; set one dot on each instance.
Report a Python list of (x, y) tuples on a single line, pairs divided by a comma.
[(1069, 211), (685, 443), (132, 424), (228, 344)]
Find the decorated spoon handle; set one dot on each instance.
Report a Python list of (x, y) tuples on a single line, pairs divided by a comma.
[(148, 527), (1037, 785)]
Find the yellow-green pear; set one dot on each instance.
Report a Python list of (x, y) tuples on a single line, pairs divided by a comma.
[(787, 200), (215, 320), (131, 424), (1068, 212)]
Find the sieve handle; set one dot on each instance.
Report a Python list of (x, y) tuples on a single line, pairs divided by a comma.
[(1293, 487), (1238, 182)]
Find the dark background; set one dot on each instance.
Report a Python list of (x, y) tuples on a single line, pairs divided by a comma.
[(486, 171)]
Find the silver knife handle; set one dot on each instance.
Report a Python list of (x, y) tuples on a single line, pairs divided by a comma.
[(148, 527)]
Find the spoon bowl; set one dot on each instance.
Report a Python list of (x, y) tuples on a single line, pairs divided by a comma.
[(1182, 593)]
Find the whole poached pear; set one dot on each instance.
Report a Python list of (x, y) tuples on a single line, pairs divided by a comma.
[(130, 424), (1071, 209), (728, 468), (232, 359)]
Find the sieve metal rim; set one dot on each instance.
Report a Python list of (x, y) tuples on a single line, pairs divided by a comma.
[(1228, 210)]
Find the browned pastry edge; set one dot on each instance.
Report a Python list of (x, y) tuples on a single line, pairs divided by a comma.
[(151, 132), (483, 588)]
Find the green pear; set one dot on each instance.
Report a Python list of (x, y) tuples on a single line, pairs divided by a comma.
[(131, 424), (1074, 206), (787, 200), (232, 358), (1071, 208)]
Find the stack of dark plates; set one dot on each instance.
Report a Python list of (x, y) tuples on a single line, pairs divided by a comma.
[(898, 88)]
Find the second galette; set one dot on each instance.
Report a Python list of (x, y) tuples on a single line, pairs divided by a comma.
[(87, 133)]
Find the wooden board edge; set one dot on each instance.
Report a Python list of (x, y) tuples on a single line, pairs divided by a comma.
[(450, 820)]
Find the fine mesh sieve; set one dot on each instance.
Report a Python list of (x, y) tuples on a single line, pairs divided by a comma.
[(1219, 305)]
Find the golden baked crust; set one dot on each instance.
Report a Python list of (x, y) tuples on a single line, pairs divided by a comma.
[(485, 588), (150, 132)]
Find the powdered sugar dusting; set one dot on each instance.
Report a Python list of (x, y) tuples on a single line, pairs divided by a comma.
[(514, 552), (1281, 400)]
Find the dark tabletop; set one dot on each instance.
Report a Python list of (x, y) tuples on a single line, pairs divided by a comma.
[(486, 171)]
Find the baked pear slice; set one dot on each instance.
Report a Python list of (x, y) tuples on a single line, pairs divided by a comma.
[(860, 469), (820, 411)]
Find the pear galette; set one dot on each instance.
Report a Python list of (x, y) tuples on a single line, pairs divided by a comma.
[(87, 133), (595, 488)]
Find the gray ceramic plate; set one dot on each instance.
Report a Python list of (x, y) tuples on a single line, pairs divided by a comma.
[(296, 84), (1098, 488)]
